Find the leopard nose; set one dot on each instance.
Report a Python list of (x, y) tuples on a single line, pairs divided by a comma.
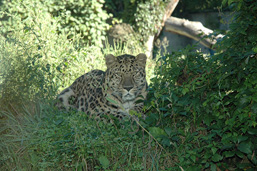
[(128, 88)]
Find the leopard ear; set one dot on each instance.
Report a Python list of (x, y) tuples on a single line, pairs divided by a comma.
[(110, 60), (141, 59)]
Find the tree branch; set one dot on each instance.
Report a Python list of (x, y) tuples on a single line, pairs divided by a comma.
[(168, 11), (192, 29)]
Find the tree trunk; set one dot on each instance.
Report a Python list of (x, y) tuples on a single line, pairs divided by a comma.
[(168, 11), (192, 29)]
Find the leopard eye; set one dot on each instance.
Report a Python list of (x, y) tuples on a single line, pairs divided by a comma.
[(117, 76), (137, 76)]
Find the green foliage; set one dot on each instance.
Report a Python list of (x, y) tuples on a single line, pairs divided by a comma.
[(207, 105), (86, 17), (36, 60), (187, 6), (34, 57), (89, 18), (123, 10), (52, 140), (23, 56), (202, 109), (144, 16), (148, 17)]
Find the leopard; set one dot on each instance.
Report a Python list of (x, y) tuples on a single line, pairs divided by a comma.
[(116, 92)]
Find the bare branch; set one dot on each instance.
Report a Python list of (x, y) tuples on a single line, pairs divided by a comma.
[(192, 29)]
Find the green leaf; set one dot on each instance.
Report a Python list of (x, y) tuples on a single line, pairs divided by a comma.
[(255, 49), (156, 132), (254, 107), (111, 100), (245, 148), (224, 2), (207, 120), (166, 141), (214, 150), (58, 122), (185, 90), (240, 154), (241, 138), (168, 130), (252, 131), (104, 162), (216, 157), (193, 158), (213, 167), (229, 153)]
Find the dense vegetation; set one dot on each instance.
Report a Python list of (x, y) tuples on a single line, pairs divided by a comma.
[(211, 101), (201, 110)]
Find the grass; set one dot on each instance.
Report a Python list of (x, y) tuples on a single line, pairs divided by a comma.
[(47, 139)]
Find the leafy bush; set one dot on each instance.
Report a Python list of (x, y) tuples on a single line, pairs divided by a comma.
[(85, 17), (148, 17), (144, 16), (187, 6), (122, 10), (35, 57), (205, 107)]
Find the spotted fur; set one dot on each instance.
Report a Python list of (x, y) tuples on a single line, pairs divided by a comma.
[(115, 91)]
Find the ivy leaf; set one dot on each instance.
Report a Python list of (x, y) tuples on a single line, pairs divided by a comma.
[(255, 49), (168, 130), (229, 153), (230, 2), (252, 131), (193, 158), (216, 157), (207, 120), (245, 148), (166, 141), (224, 2), (104, 161), (214, 150), (241, 138), (185, 90), (213, 167), (157, 132), (254, 107), (58, 122)]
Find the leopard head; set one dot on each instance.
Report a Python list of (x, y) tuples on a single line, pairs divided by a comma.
[(125, 76)]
